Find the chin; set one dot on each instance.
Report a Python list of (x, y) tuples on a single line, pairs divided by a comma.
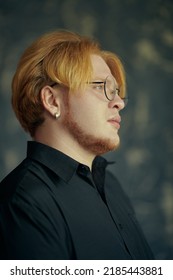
[(113, 142), (102, 146)]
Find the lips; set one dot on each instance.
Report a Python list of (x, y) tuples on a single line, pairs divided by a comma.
[(115, 121)]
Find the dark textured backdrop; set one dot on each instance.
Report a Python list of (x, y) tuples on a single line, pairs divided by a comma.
[(141, 32)]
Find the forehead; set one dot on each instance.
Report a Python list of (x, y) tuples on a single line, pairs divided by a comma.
[(100, 68)]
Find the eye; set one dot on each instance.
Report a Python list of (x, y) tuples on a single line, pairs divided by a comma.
[(99, 86)]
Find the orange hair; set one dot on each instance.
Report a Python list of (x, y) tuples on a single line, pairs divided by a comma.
[(58, 57)]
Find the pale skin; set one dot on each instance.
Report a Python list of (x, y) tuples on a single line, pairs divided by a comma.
[(96, 117)]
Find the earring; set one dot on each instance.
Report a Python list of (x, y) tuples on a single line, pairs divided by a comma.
[(57, 115)]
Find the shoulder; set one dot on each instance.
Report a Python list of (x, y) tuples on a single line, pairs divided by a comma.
[(27, 179), (10, 183), (28, 192)]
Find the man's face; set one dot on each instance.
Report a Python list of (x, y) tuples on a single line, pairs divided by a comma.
[(91, 119)]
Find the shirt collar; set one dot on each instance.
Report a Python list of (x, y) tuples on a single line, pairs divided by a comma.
[(60, 163)]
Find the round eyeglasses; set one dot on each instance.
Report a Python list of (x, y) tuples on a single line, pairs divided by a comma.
[(108, 88)]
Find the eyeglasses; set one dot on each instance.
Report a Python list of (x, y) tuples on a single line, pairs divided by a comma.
[(108, 88)]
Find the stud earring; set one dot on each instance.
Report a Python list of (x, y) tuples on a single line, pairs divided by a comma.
[(57, 115)]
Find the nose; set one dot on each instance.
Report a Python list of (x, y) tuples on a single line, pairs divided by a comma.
[(117, 103)]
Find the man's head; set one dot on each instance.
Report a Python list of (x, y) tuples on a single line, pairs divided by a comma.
[(85, 77), (62, 57)]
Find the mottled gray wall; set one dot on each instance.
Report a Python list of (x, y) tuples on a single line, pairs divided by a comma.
[(141, 32)]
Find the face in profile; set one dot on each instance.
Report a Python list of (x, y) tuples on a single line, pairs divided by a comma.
[(90, 118)]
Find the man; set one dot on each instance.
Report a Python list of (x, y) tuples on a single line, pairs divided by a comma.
[(61, 202)]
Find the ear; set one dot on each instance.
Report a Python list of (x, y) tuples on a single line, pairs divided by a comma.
[(50, 100)]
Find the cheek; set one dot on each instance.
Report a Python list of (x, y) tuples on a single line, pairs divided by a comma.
[(80, 109), (89, 116), (88, 112)]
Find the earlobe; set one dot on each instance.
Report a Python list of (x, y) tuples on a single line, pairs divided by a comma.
[(49, 100)]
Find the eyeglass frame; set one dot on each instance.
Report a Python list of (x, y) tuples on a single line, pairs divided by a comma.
[(117, 91)]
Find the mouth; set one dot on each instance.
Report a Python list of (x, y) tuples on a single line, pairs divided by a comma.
[(115, 121)]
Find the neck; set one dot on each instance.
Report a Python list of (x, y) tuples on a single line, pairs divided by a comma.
[(66, 145)]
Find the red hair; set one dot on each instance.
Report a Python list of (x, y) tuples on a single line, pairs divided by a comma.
[(58, 57)]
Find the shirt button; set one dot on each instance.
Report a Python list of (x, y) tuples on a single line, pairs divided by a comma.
[(84, 170)]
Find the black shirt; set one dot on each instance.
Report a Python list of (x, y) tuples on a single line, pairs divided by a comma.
[(52, 207)]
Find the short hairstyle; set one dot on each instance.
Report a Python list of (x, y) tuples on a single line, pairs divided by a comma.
[(61, 57)]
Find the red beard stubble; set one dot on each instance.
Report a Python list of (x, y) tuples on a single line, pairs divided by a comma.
[(91, 143)]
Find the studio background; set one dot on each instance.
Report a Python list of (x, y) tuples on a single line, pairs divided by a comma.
[(141, 33)]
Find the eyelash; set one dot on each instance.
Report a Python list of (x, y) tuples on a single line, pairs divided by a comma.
[(99, 86)]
